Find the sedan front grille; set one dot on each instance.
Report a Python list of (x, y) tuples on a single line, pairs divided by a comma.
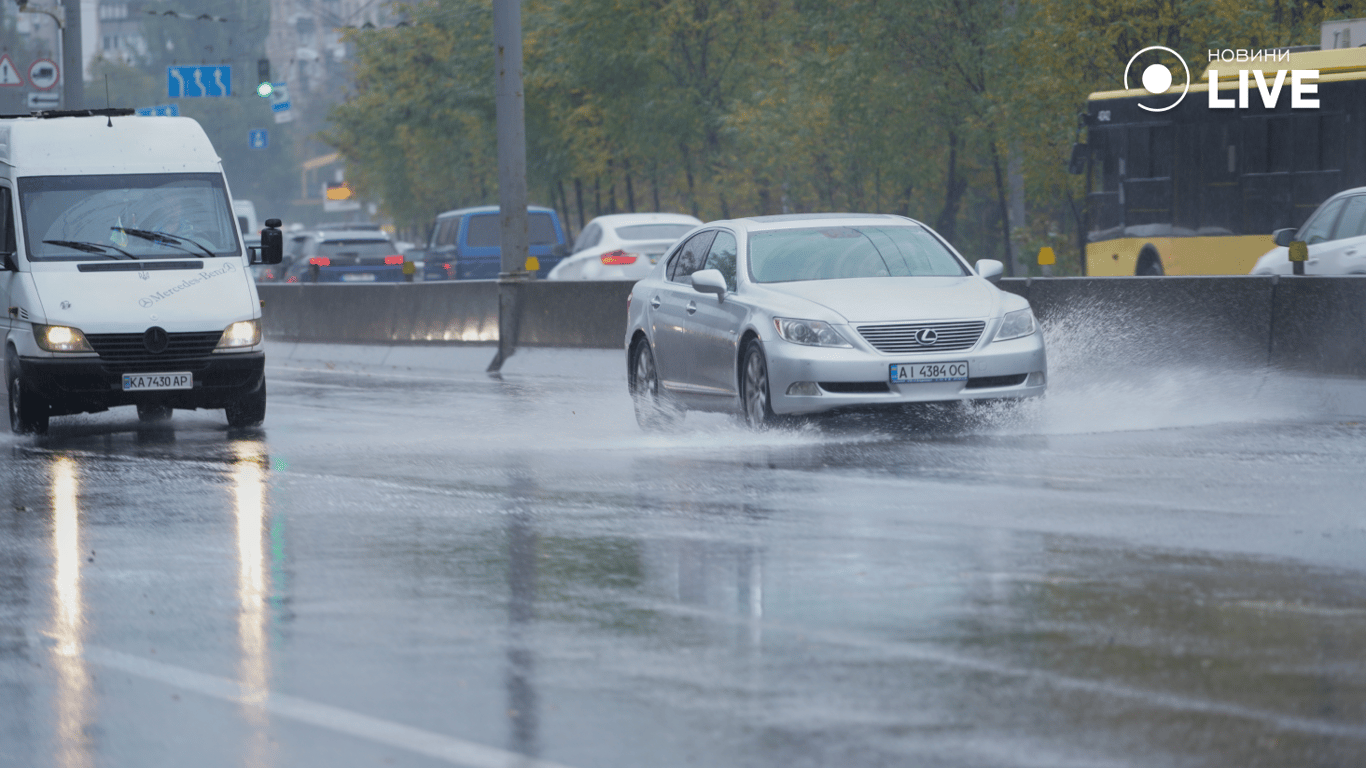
[(906, 338), (130, 347)]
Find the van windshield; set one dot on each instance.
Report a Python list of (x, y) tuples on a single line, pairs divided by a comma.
[(143, 216)]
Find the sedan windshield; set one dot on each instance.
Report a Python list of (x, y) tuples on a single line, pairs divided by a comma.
[(141, 216), (832, 253)]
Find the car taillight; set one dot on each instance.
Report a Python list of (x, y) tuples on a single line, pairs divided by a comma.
[(391, 260), (292, 279), (612, 258), (446, 267), (320, 261)]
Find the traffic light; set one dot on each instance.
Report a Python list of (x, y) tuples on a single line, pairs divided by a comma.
[(263, 77)]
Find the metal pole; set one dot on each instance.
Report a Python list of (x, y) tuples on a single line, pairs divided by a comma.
[(512, 196), (73, 74)]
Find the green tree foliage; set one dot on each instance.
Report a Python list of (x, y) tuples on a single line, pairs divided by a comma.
[(739, 107)]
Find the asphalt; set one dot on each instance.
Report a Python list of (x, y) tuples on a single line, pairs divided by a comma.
[(414, 563)]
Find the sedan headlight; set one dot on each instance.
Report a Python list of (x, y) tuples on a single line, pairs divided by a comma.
[(60, 338), (246, 333), (1016, 324), (812, 333)]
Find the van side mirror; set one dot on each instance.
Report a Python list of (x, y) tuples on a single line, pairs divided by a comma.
[(272, 243), (1283, 237)]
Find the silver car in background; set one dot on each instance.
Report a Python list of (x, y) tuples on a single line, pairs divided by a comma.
[(799, 314)]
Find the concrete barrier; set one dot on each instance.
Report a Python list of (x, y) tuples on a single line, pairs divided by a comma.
[(1308, 324)]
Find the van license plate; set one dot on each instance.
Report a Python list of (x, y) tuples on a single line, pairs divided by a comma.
[(928, 373), (358, 277), (142, 382)]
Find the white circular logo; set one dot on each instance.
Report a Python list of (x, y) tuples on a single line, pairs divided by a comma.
[(1157, 78)]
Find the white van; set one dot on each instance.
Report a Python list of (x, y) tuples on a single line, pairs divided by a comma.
[(124, 275), (245, 211)]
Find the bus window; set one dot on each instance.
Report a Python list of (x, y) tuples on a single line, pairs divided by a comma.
[(1278, 145), (1320, 227), (1306, 143)]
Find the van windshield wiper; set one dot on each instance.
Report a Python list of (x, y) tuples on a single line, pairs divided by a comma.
[(165, 238), (96, 248)]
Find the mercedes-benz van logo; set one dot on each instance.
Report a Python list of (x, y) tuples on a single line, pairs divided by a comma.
[(926, 337), (156, 339)]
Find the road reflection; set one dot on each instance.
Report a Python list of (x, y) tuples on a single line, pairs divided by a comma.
[(253, 587), (521, 660), (73, 703)]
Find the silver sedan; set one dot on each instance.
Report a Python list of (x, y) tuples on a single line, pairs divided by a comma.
[(800, 314)]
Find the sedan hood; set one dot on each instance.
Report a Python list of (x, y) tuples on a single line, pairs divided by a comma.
[(127, 301), (889, 299)]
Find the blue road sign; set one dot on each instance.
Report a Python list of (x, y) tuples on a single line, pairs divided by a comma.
[(160, 110), (194, 82), (258, 138)]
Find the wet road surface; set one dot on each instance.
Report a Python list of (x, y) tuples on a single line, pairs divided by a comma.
[(424, 568)]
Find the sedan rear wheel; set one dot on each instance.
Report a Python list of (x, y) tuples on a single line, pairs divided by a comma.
[(754, 393), (653, 412)]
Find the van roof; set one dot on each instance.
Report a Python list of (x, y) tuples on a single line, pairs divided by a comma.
[(105, 143), (490, 209)]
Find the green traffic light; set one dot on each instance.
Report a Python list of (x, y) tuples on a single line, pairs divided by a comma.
[(264, 90)]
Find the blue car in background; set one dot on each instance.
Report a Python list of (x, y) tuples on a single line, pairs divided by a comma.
[(465, 243)]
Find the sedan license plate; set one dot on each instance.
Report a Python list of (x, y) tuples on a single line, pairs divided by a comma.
[(142, 382), (928, 373), (358, 277)]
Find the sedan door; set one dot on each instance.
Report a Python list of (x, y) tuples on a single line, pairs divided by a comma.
[(714, 326), (675, 351)]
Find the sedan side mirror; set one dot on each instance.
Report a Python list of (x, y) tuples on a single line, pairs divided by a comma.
[(990, 269), (710, 281), (561, 250), (272, 243), (1283, 237)]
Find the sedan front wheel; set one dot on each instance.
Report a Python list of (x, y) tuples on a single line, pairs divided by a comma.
[(754, 389)]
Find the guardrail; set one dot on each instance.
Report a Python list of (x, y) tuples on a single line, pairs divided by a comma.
[(1314, 324)]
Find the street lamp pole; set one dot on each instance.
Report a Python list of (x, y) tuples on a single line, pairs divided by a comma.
[(509, 106)]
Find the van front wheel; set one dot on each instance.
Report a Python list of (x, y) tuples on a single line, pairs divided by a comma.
[(250, 411), (28, 410)]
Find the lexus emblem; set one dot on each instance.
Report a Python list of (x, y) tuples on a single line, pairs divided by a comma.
[(156, 339), (926, 337)]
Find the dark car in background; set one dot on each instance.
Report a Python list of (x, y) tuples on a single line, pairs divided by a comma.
[(465, 244), (345, 256)]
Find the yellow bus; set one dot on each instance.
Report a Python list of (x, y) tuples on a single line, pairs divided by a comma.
[(1198, 190)]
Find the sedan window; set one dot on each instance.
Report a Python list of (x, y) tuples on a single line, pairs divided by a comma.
[(1320, 228), (831, 253), (653, 231), (722, 257), (589, 237), (1352, 223), (690, 257)]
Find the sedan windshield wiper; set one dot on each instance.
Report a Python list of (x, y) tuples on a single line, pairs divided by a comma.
[(96, 248), (165, 238)]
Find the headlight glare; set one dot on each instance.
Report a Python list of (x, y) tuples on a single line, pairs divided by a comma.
[(246, 333), (811, 333), (60, 338), (1016, 324)]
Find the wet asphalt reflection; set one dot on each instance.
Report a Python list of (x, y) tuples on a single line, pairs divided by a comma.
[(452, 569)]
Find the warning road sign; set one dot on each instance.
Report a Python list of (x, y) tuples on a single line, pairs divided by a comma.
[(43, 74), (9, 76)]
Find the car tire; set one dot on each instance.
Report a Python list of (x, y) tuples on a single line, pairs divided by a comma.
[(250, 411), (755, 397), (153, 412), (28, 411), (653, 411)]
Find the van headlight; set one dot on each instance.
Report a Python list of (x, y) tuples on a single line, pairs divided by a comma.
[(245, 333), (811, 333), (1016, 324), (60, 338)]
